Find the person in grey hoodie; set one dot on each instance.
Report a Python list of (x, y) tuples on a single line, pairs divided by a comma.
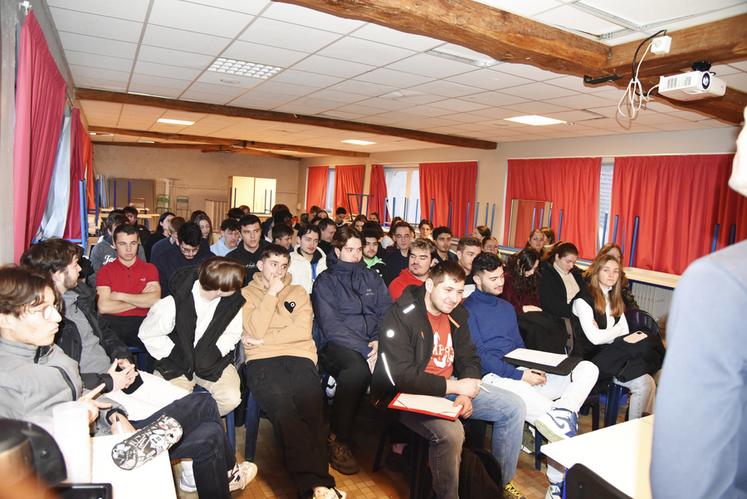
[(103, 252)]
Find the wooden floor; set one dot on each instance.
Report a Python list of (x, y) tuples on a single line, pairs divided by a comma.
[(273, 482)]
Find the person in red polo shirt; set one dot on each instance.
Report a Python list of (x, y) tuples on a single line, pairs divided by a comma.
[(127, 287), (422, 256)]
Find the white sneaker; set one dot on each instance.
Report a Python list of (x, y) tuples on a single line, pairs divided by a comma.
[(328, 493), (240, 476), (557, 424), (187, 477), (554, 491)]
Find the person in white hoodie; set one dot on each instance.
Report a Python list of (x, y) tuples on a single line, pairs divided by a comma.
[(230, 235), (307, 261)]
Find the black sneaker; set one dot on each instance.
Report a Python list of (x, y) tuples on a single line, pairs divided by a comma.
[(341, 458)]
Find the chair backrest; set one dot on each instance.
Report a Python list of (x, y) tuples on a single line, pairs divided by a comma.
[(582, 483), (641, 320)]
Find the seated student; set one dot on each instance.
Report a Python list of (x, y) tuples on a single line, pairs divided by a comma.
[(374, 217), (490, 245), (560, 280), (282, 235), (307, 261), (521, 288), (630, 358), (627, 295), (442, 238), (549, 239), (358, 222), (426, 229), (252, 244), (206, 225), (425, 348), (421, 259), (245, 209), (327, 229), (35, 376), (175, 223), (190, 251), (230, 235), (130, 213), (397, 256), (281, 371), (198, 348), (340, 214), (536, 241), (481, 233), (127, 287), (388, 240), (280, 215), (552, 401), (371, 238), (162, 232), (104, 251), (236, 213), (349, 301), (467, 249), (96, 348)]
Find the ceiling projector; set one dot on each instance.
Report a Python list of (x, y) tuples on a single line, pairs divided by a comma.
[(693, 85)]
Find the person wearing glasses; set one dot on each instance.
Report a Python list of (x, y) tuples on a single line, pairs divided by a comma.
[(187, 252), (398, 256)]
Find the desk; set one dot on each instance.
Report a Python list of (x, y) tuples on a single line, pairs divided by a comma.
[(620, 454), (151, 480)]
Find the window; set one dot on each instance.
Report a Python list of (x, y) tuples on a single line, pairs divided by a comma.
[(403, 192), (605, 200), (330, 192)]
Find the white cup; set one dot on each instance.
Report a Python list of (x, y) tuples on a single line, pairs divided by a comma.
[(71, 433)]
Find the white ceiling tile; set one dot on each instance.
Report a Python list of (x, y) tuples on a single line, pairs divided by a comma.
[(307, 106), (171, 57), (689, 115), (230, 83), (166, 71), (642, 12), (359, 108), (489, 80), (608, 111), (155, 90), (525, 71), (133, 10), (364, 51), (335, 95), (332, 67), (131, 111), (105, 74), (458, 105), (390, 36), (427, 111), (494, 98), (736, 81), (98, 61), (101, 107), (382, 104), (742, 66), (410, 97), (363, 88), (540, 108), (446, 89), (661, 106), (538, 91), (177, 39), (579, 101), (261, 100), (276, 87), (725, 69), (428, 65), (334, 113), (100, 83), (526, 9), (144, 79), (576, 83), (95, 45), (94, 25), (305, 78), (246, 6), (198, 18), (568, 17), (286, 35), (573, 116), (263, 54), (394, 78), (307, 17)]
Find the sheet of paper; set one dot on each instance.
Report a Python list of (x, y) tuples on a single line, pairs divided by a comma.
[(154, 393), (426, 404), (537, 356)]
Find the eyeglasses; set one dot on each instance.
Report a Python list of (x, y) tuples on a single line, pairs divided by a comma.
[(186, 250), (48, 312)]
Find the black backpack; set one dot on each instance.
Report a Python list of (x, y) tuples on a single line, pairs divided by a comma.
[(479, 475)]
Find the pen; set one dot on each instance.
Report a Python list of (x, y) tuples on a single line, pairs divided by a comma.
[(538, 373)]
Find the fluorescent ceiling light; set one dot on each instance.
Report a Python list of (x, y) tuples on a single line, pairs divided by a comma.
[(466, 57), (535, 120), (357, 142), (244, 68), (170, 121)]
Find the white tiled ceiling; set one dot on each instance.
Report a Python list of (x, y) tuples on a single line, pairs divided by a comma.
[(348, 69)]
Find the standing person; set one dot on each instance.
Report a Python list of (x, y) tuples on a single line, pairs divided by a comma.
[(425, 348), (397, 256), (307, 261), (162, 231), (281, 371), (629, 359), (467, 249), (327, 229), (127, 287), (189, 251), (421, 259), (131, 213), (192, 333), (252, 244), (371, 238), (230, 235), (104, 252), (442, 237), (552, 401), (426, 229), (349, 301)]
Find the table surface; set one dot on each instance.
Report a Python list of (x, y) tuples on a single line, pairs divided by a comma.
[(153, 479), (620, 454)]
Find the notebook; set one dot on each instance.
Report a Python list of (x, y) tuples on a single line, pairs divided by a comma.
[(553, 363), (425, 404)]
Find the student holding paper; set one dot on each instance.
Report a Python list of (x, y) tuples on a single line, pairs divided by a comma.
[(552, 401), (425, 348)]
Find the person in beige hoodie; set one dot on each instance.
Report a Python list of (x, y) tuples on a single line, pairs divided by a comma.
[(281, 371)]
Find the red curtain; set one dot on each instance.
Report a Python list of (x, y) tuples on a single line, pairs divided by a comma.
[(348, 180), (377, 193), (40, 103), (77, 173), (678, 200), (445, 183), (571, 184), (316, 186)]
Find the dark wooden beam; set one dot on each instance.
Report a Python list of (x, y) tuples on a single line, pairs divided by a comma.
[(499, 34), (199, 147), (227, 142), (260, 114), (246, 150)]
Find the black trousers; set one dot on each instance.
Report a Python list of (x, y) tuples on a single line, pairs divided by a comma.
[(203, 440), (289, 391), (352, 375), (127, 328)]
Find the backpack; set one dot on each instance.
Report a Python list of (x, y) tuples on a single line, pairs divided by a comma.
[(479, 475)]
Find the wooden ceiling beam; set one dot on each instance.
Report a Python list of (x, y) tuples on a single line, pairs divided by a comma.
[(199, 147), (263, 115), (228, 142)]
